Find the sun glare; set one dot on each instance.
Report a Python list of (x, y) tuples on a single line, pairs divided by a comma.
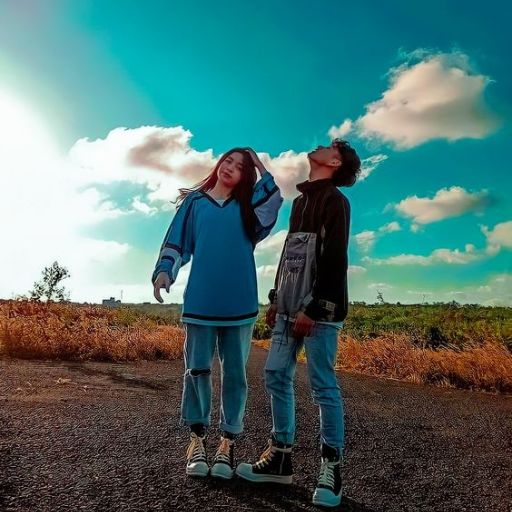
[(22, 133)]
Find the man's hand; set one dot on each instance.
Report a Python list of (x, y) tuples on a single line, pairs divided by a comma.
[(162, 281), (303, 325), (270, 317)]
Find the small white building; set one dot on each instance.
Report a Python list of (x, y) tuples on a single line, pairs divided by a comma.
[(112, 302)]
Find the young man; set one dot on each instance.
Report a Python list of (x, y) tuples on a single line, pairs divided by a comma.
[(308, 305)]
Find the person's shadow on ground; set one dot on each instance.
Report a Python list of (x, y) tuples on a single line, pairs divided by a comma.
[(241, 495)]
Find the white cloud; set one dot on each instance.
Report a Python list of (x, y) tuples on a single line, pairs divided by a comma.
[(340, 131), (419, 292), (438, 256), (142, 207), (390, 227), (289, 168), (498, 237), (495, 290), (492, 290), (446, 203), (365, 240), (368, 165), (356, 270), (439, 97), (163, 159), (379, 286), (272, 245), (503, 278), (95, 206), (141, 155), (501, 290), (266, 271), (159, 158)]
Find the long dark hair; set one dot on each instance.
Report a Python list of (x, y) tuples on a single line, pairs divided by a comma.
[(242, 192)]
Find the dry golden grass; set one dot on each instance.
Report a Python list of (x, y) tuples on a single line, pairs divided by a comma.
[(488, 367), (33, 330)]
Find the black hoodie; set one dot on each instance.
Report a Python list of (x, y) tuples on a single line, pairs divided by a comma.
[(323, 209)]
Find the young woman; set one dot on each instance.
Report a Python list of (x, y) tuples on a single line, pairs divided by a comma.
[(218, 222)]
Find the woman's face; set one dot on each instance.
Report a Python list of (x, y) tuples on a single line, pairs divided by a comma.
[(230, 170)]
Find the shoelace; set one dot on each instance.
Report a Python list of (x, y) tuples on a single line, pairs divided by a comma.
[(223, 453), (266, 456), (196, 451), (327, 474)]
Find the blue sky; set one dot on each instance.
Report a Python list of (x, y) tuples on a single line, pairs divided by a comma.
[(423, 91)]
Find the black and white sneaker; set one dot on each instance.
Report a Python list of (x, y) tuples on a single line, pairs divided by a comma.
[(275, 465), (197, 464), (224, 460), (328, 489)]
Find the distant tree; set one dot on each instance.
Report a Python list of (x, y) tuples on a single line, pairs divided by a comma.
[(380, 298), (48, 286)]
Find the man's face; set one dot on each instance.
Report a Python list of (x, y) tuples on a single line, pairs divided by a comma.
[(326, 155)]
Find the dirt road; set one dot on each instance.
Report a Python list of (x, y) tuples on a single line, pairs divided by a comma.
[(102, 437)]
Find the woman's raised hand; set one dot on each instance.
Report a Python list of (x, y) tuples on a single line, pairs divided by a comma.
[(257, 162)]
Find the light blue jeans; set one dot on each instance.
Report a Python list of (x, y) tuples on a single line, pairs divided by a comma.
[(233, 345), (321, 348)]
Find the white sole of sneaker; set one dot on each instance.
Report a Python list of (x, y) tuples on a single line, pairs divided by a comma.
[(222, 471), (245, 471), (326, 499), (199, 469)]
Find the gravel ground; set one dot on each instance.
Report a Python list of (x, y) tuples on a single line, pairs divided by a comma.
[(100, 437)]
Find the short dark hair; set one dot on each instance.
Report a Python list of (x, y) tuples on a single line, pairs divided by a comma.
[(348, 172)]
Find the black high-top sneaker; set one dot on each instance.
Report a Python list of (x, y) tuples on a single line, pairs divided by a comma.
[(328, 489), (224, 460), (197, 464), (275, 465)]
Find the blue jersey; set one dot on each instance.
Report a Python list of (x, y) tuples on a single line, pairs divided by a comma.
[(222, 287)]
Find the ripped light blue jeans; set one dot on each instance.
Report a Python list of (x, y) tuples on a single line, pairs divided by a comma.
[(321, 348), (233, 344)]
